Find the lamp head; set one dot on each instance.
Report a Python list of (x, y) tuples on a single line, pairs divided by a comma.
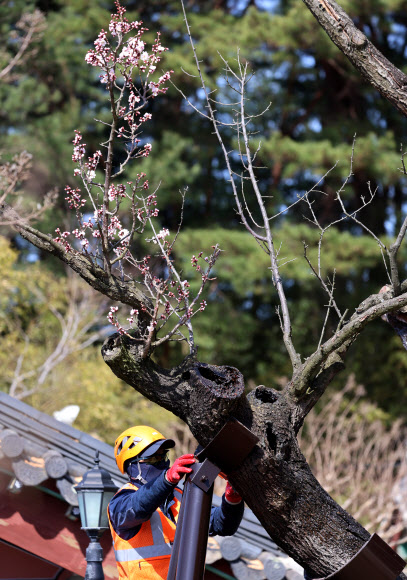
[(94, 494)]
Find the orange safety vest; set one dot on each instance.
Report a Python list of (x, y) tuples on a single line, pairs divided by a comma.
[(147, 554)]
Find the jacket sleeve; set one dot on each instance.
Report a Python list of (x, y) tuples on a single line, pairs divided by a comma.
[(226, 518), (129, 509)]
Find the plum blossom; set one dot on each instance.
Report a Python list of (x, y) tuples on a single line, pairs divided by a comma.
[(106, 237), (133, 99), (74, 198), (61, 239), (150, 327), (133, 315), (109, 76), (163, 234), (144, 118), (79, 147)]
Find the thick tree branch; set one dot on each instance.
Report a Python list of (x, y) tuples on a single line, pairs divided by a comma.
[(319, 369), (333, 365), (375, 68), (196, 392), (168, 388)]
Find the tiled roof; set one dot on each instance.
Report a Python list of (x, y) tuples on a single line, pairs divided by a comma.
[(35, 447)]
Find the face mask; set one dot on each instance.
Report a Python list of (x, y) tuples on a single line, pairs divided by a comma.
[(145, 472)]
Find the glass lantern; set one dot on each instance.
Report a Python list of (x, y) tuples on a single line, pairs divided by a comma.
[(94, 494)]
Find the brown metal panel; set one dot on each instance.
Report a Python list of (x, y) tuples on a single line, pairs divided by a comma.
[(375, 561), (204, 475), (230, 446)]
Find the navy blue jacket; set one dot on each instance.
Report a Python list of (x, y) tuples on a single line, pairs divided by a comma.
[(129, 509)]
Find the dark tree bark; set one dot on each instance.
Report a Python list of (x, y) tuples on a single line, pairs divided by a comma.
[(390, 81)]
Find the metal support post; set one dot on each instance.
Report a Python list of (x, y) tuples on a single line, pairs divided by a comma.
[(227, 450), (94, 558), (189, 549), (194, 532)]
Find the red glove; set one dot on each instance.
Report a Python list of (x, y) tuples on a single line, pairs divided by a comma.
[(231, 496), (180, 467)]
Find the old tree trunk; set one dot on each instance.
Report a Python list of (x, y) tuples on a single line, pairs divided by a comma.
[(275, 479)]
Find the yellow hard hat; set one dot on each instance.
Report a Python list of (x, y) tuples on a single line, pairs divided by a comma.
[(135, 440)]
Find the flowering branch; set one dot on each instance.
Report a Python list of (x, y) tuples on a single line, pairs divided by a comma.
[(105, 233)]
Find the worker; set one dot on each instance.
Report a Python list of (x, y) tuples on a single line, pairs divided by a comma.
[(144, 512)]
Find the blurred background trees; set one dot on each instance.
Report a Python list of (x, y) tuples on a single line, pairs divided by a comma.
[(318, 104)]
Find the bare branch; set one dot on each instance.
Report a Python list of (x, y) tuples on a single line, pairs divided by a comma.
[(241, 124), (83, 312), (317, 274), (33, 26), (218, 135), (302, 388), (287, 331)]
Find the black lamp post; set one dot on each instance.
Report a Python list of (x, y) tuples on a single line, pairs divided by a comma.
[(94, 493)]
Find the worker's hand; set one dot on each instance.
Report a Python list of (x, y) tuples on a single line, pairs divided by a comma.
[(180, 468), (231, 496)]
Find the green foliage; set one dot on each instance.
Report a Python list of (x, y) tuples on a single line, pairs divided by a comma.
[(172, 162), (245, 268), (24, 294), (375, 155)]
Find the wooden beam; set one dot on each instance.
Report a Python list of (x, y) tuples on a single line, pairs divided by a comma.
[(12, 445), (30, 471)]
